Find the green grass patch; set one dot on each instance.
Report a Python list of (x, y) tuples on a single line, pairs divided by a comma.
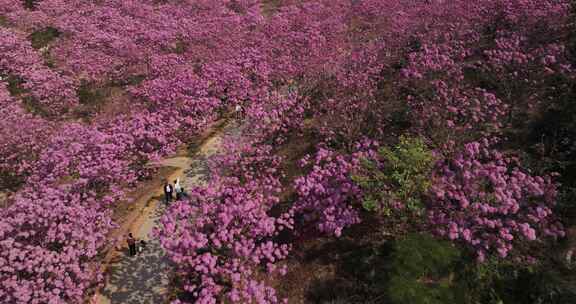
[(17, 90), (91, 98), (30, 4), (89, 95), (16, 85), (130, 80), (10, 181), (4, 22), (43, 37), (180, 47), (32, 106), (420, 268)]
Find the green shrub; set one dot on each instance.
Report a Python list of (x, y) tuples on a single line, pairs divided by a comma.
[(403, 178), (15, 85), (87, 95)]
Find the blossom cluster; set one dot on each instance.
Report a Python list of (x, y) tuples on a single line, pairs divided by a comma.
[(54, 92), (223, 237), (485, 200), (327, 196), (449, 71)]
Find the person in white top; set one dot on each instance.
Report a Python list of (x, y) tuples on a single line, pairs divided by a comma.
[(178, 189), (238, 110)]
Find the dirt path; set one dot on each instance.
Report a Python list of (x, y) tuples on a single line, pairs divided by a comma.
[(144, 279)]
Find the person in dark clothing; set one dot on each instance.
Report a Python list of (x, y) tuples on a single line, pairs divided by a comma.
[(168, 190), (131, 244)]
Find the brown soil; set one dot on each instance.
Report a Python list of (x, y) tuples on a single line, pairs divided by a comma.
[(3, 199)]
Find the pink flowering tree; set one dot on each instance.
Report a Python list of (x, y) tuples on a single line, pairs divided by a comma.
[(53, 92), (458, 70), (327, 196), (485, 63), (46, 239), (22, 138), (223, 238), (487, 202)]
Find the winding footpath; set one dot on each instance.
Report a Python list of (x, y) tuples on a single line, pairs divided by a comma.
[(145, 278)]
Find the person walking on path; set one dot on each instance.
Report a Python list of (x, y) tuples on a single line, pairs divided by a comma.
[(131, 244), (168, 192), (291, 87), (238, 111), (178, 189)]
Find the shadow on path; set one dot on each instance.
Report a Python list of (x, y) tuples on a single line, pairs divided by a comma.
[(146, 273), (145, 278), (140, 279)]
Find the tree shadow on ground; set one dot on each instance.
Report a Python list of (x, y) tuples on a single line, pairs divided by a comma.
[(360, 274), (140, 279), (198, 173)]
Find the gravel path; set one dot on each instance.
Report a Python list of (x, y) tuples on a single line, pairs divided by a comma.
[(144, 279)]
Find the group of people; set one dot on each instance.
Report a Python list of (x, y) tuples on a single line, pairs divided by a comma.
[(135, 247), (132, 245), (169, 191)]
